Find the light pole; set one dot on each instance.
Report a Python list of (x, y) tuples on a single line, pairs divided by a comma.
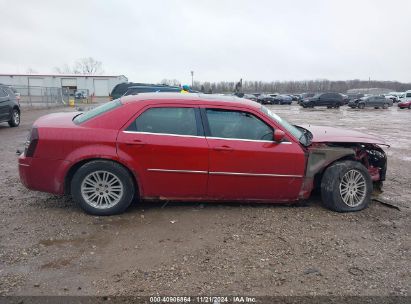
[(192, 78)]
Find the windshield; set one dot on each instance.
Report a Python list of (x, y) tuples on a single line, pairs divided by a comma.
[(97, 111), (297, 133)]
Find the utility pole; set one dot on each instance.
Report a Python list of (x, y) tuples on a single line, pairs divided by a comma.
[(192, 78)]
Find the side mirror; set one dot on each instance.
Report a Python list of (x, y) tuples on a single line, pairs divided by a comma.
[(278, 135)]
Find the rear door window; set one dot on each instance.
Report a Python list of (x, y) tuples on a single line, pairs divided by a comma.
[(167, 120)]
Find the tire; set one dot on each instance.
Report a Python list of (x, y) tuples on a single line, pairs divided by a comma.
[(385, 106), (15, 118), (335, 189), (112, 178), (329, 107), (361, 106)]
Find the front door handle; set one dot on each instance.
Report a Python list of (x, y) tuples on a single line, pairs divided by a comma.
[(223, 148)]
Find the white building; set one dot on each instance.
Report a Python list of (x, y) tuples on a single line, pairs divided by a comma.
[(99, 86)]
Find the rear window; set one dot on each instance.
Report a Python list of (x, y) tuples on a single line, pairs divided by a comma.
[(408, 95), (104, 108)]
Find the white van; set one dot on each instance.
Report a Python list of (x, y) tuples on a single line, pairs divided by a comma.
[(406, 96), (401, 97)]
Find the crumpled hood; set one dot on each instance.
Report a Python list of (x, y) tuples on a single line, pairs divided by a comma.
[(330, 134)]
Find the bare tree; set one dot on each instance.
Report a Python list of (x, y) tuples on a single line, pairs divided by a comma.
[(171, 82), (88, 66), (85, 66), (64, 69), (31, 71)]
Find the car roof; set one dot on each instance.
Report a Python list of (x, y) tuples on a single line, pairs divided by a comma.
[(189, 98)]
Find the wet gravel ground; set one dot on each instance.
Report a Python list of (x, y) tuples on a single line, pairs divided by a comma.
[(48, 246)]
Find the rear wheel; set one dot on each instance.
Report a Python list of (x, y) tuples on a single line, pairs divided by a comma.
[(102, 188), (385, 106), (15, 118), (346, 186)]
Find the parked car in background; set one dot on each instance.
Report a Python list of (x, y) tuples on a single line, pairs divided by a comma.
[(250, 97), (294, 97), (329, 100), (376, 101), (283, 99), (354, 96), (406, 101), (304, 96), (123, 88), (190, 147), (397, 95), (134, 90), (393, 98), (266, 99), (404, 104), (346, 99), (80, 95), (9, 106)]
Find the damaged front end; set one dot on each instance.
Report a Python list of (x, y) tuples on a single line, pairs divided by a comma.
[(322, 155)]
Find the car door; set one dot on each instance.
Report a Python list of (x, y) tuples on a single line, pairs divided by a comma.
[(374, 102), (4, 105), (167, 147), (324, 100), (245, 163)]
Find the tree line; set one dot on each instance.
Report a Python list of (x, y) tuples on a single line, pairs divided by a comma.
[(293, 87)]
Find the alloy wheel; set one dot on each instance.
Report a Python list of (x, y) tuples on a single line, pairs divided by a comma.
[(353, 188), (16, 117), (102, 189)]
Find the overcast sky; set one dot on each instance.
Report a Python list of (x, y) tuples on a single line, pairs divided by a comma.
[(148, 41)]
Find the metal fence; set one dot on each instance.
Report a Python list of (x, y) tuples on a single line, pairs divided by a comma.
[(50, 96)]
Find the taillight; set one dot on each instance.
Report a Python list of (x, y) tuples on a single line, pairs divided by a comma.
[(31, 143)]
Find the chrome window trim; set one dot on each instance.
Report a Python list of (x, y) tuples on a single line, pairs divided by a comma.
[(178, 171), (255, 174), (251, 140), (163, 134), (207, 137)]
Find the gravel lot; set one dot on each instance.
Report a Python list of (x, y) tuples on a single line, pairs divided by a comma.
[(48, 246)]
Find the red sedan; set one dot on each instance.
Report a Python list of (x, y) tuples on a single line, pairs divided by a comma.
[(196, 148), (405, 104)]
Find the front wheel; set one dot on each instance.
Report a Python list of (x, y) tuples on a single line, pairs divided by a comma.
[(346, 186), (385, 106), (15, 118), (102, 188)]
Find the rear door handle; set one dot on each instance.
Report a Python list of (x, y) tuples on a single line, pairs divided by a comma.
[(223, 148), (135, 142)]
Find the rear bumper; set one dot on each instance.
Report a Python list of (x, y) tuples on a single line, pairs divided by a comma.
[(44, 175)]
